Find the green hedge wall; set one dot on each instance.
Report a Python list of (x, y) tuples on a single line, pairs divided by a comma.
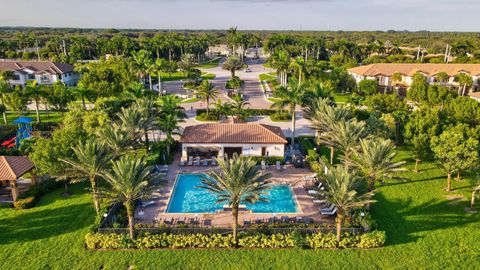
[(318, 240)]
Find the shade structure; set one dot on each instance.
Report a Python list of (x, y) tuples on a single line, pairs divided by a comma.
[(23, 120), (14, 167)]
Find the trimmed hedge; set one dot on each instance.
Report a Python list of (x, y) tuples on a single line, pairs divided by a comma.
[(248, 111), (319, 240), (270, 160), (280, 116)]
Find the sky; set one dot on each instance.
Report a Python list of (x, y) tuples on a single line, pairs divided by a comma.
[(413, 15)]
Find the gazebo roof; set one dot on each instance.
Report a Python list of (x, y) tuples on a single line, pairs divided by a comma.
[(13, 167)]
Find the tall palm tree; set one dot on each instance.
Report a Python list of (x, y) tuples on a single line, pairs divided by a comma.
[(298, 65), (281, 61), (237, 106), (128, 179), (237, 181), (342, 192), (465, 81), (375, 160), (34, 91), (346, 137), (90, 159), (168, 123), (130, 119), (148, 111), (141, 61), (4, 89), (290, 96), (83, 93), (323, 117), (116, 139), (206, 92), (160, 65), (171, 104)]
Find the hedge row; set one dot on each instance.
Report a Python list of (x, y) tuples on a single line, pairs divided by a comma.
[(249, 111), (372, 239)]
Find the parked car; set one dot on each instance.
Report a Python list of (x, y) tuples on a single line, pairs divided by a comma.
[(248, 70)]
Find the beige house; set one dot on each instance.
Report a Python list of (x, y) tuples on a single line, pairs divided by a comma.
[(384, 72), (221, 139)]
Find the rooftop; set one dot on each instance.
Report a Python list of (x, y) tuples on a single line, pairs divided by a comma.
[(13, 167), (388, 69), (36, 67), (240, 133)]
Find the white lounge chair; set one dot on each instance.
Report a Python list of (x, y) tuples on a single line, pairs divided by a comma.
[(329, 213), (312, 192), (183, 162), (328, 209), (319, 201), (277, 166), (309, 177), (197, 161), (205, 162), (214, 161), (190, 161), (264, 166)]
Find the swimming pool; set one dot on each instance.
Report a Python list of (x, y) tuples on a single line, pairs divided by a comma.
[(187, 198)]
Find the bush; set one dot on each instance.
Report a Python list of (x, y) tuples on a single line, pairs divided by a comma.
[(24, 203), (207, 117), (372, 239), (234, 83), (280, 116), (270, 160), (247, 111), (289, 240), (31, 196)]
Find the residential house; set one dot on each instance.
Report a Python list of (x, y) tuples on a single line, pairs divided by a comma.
[(383, 73), (44, 72), (225, 139)]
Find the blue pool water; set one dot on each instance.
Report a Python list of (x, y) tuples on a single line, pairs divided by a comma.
[(187, 198)]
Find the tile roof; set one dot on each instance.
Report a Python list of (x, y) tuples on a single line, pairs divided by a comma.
[(388, 69), (36, 66), (12, 167), (253, 133)]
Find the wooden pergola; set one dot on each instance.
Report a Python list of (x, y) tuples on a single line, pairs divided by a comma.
[(14, 167)]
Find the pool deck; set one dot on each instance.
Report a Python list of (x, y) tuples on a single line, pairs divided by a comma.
[(290, 176)]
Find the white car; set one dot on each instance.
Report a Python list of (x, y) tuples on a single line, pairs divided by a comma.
[(248, 70)]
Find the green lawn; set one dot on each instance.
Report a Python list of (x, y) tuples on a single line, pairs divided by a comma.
[(341, 98), (425, 231), (210, 64), (51, 117), (179, 75), (190, 100)]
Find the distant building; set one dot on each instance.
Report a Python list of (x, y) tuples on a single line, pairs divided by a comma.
[(44, 72), (384, 72), (225, 139)]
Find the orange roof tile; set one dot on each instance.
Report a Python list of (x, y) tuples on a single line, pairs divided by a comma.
[(240, 133), (12, 167)]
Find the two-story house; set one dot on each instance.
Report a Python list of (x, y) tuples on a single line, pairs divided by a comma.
[(44, 72), (390, 75)]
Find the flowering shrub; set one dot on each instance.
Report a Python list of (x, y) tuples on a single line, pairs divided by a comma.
[(318, 240)]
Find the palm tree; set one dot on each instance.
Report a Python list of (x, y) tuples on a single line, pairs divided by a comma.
[(465, 81), (171, 104), (90, 159), (299, 66), (148, 112), (129, 119), (83, 93), (472, 199), (375, 160), (342, 192), (232, 64), (237, 106), (116, 139), (290, 96), (281, 61), (33, 90), (4, 89), (141, 61), (346, 137), (237, 181), (322, 89), (135, 90), (161, 65), (128, 179), (323, 117), (207, 91), (442, 76), (168, 123)]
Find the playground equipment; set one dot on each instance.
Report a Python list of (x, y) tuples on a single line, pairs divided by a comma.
[(24, 129)]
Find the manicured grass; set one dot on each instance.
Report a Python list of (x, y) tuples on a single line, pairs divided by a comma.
[(190, 100), (425, 230), (179, 75), (267, 77), (51, 117), (341, 98), (210, 64)]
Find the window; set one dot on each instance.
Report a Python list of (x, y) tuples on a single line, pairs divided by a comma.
[(31, 77), (16, 77), (59, 76), (45, 78)]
